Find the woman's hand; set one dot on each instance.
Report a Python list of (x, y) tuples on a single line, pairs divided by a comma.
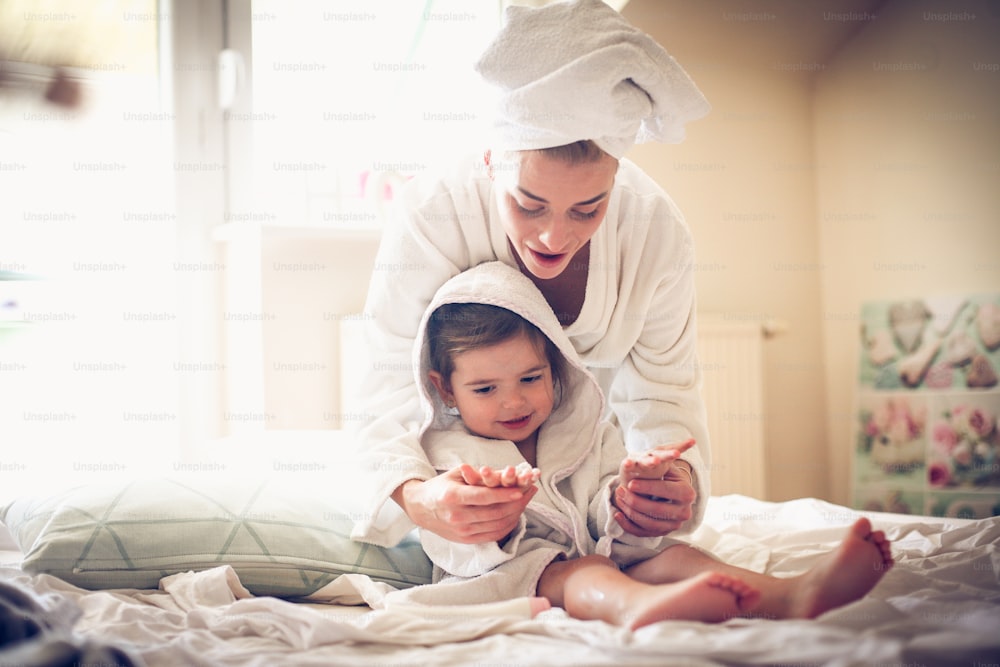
[(656, 494), (460, 511)]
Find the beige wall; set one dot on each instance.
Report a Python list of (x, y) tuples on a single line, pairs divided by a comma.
[(828, 175), (744, 181), (907, 121)]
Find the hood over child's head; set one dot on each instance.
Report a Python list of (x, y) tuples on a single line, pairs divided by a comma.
[(454, 328), (491, 304)]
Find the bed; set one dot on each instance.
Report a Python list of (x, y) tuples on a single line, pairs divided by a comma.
[(135, 563)]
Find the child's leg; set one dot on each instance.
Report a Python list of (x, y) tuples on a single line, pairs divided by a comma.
[(592, 587), (846, 574)]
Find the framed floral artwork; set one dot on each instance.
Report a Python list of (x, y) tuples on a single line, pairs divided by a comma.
[(926, 434), (964, 445)]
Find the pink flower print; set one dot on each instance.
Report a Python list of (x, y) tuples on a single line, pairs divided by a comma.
[(981, 423), (881, 416), (938, 474), (945, 438)]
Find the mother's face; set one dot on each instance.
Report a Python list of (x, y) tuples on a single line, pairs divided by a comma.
[(550, 209)]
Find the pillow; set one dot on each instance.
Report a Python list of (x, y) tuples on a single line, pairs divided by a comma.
[(282, 540)]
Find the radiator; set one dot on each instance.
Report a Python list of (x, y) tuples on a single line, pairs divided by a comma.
[(731, 358)]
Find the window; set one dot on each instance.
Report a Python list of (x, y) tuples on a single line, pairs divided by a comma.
[(89, 320), (134, 273), (348, 99), (335, 106)]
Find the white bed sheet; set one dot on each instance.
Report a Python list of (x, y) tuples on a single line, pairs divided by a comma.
[(939, 606)]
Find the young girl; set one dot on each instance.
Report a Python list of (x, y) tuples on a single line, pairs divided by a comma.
[(510, 404)]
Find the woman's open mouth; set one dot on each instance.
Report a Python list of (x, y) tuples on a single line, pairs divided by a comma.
[(547, 259)]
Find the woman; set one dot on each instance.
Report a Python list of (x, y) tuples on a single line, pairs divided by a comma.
[(604, 244)]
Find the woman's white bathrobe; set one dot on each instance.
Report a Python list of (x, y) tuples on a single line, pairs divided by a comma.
[(636, 330), (578, 454)]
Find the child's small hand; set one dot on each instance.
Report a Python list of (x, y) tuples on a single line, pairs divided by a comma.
[(653, 464), (521, 476)]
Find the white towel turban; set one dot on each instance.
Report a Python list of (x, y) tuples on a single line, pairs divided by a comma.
[(578, 70)]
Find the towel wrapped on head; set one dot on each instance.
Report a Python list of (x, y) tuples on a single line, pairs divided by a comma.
[(577, 70)]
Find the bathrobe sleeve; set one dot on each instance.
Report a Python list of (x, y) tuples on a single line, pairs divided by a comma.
[(437, 230), (656, 393), (471, 560)]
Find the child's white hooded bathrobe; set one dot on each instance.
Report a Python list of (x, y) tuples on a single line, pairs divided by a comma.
[(578, 455)]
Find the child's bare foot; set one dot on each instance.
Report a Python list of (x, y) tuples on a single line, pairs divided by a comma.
[(845, 575), (710, 597), (537, 605)]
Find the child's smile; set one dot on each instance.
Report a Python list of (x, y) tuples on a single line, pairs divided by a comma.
[(519, 423)]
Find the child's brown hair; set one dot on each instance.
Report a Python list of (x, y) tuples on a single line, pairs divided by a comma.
[(460, 327)]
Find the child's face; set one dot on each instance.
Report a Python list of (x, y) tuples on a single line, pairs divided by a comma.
[(503, 391)]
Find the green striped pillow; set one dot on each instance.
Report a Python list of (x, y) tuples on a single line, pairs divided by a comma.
[(282, 540)]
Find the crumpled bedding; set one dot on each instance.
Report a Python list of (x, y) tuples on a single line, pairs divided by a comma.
[(940, 605)]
